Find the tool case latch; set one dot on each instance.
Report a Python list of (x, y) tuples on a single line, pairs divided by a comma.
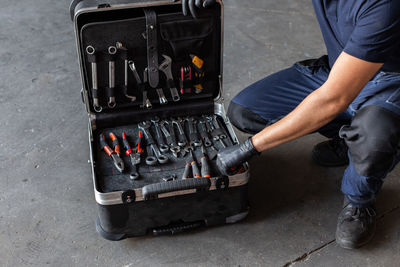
[(105, 5), (222, 182), (128, 196)]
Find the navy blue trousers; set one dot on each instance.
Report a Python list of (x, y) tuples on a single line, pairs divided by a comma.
[(370, 125)]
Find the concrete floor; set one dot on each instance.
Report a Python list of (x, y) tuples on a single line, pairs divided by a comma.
[(47, 206)]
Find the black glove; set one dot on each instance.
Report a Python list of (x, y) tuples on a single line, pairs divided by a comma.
[(194, 4), (233, 156)]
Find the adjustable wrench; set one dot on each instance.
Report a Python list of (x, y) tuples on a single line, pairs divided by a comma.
[(171, 138), (152, 146), (165, 67), (193, 134), (92, 59), (182, 140), (112, 50), (159, 137)]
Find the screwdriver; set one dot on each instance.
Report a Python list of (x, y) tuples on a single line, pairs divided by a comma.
[(186, 172), (205, 168), (139, 147), (195, 168)]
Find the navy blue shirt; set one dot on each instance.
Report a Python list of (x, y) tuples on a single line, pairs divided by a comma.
[(366, 29)]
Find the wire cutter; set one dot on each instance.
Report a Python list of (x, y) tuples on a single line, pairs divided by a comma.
[(113, 153), (133, 154)]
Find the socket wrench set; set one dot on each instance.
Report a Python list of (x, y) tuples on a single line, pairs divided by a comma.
[(152, 85)]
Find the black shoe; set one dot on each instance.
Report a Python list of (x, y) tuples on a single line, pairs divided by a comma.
[(331, 153), (355, 226)]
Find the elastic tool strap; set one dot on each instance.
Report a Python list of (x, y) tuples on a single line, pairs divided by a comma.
[(152, 52)]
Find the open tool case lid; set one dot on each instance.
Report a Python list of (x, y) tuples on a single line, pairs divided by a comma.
[(102, 24)]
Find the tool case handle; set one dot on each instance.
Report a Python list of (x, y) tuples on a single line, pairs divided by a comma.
[(153, 190)]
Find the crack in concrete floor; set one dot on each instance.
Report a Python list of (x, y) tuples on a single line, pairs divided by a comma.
[(306, 255)]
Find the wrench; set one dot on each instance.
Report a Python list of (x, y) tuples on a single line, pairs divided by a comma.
[(91, 52), (154, 154), (159, 137), (221, 130), (210, 127), (134, 71), (193, 134), (217, 131), (171, 138), (204, 133), (112, 50), (161, 97), (146, 100), (165, 67), (182, 140), (124, 54)]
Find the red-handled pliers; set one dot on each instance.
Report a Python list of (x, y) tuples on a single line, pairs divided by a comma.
[(113, 153), (133, 154)]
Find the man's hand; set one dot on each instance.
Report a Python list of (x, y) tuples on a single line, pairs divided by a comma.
[(233, 156), (192, 5)]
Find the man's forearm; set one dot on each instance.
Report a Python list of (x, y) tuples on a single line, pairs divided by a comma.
[(346, 79), (314, 112)]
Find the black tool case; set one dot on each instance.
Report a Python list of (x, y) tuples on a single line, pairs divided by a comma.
[(160, 201)]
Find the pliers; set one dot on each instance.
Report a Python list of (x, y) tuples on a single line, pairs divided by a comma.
[(113, 153), (134, 154)]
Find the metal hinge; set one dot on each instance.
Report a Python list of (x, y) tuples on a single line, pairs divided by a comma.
[(92, 119)]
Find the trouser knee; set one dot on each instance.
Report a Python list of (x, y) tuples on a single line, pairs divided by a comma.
[(244, 119), (373, 140)]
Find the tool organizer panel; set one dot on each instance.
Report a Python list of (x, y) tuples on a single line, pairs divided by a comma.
[(152, 83), (139, 169), (116, 64)]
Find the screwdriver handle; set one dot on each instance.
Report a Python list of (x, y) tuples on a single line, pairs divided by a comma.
[(195, 169), (139, 147), (205, 168), (126, 144), (115, 143), (103, 144), (186, 172)]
